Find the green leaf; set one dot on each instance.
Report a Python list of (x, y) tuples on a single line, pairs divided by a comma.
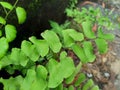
[(28, 80), (41, 45), (88, 85), (9, 69), (6, 5), (52, 40), (2, 20), (3, 46), (21, 15), (38, 85), (30, 50), (95, 88), (5, 61), (0, 33), (68, 41), (41, 72), (66, 62), (107, 36), (104, 21), (60, 87), (70, 36), (77, 36), (56, 27), (64, 88), (88, 49), (69, 12), (79, 88), (79, 52), (81, 78), (10, 32), (76, 71), (58, 70), (102, 45), (55, 77), (87, 29), (12, 83), (52, 65), (40, 82), (71, 87), (17, 57)]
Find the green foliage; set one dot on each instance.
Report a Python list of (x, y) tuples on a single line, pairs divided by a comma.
[(3, 46), (78, 50), (71, 78), (88, 85), (87, 29), (102, 45), (45, 63), (35, 79), (28, 48), (21, 14), (0, 33), (107, 36), (2, 21), (88, 49), (54, 44), (12, 83), (58, 70), (6, 5), (82, 82), (70, 36), (91, 22), (41, 46), (10, 30), (18, 57)]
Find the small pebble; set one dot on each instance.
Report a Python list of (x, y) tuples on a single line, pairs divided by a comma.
[(89, 75), (106, 74), (113, 53)]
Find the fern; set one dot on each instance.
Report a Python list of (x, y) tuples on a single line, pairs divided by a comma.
[(45, 63)]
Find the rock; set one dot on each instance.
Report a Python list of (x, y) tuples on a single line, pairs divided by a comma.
[(115, 67), (89, 75), (106, 74)]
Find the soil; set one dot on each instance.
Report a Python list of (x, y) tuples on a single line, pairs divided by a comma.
[(105, 71)]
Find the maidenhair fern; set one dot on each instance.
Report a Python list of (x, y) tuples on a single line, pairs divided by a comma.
[(44, 63), (10, 30)]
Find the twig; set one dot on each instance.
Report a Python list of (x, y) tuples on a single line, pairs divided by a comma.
[(7, 13)]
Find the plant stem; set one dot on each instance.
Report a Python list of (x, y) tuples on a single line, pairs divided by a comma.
[(7, 13), (11, 10)]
